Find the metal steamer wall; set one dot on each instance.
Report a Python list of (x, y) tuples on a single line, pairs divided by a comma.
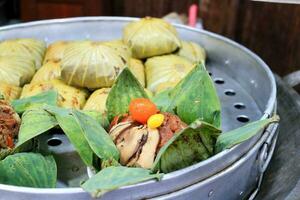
[(247, 91)]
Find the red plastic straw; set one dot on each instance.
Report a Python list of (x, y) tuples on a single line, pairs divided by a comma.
[(193, 15)]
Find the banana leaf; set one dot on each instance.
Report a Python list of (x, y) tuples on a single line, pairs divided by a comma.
[(29, 170), (112, 178), (98, 139), (48, 98), (126, 88), (187, 147), (236, 136), (194, 97), (35, 122)]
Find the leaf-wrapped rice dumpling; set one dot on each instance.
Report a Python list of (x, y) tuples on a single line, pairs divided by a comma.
[(192, 51), (150, 37), (91, 64), (121, 47), (167, 69), (97, 100), (137, 68), (29, 49), (50, 70), (69, 97), (16, 70), (55, 51), (10, 92)]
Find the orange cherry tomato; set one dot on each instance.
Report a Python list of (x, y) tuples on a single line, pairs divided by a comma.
[(141, 109)]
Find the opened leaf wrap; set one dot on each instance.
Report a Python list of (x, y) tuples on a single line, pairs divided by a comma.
[(194, 97), (28, 48), (49, 97), (150, 37), (35, 121), (166, 71), (241, 134), (112, 178), (187, 147), (28, 170), (15, 70), (91, 64)]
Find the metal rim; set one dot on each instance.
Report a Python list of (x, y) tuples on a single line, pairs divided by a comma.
[(267, 112)]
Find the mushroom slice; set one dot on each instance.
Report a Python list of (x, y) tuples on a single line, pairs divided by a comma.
[(119, 128), (146, 157), (129, 143)]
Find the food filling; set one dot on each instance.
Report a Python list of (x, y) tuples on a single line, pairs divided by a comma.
[(140, 134), (9, 125)]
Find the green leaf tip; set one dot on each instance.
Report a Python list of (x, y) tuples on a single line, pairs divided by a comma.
[(239, 135), (126, 88)]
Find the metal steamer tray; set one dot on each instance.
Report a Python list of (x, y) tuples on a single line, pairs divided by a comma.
[(247, 91)]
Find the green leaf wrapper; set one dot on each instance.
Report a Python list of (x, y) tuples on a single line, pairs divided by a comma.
[(99, 117), (73, 131), (239, 135), (27, 146), (45, 98), (29, 170), (189, 146), (98, 139), (126, 88), (112, 178), (194, 97), (35, 122)]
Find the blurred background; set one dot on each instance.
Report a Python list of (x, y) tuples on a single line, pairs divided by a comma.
[(272, 30)]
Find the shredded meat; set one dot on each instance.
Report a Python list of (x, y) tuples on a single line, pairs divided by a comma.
[(9, 125), (171, 125)]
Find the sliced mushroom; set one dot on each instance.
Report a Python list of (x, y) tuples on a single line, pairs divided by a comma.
[(129, 142), (145, 157), (119, 129), (148, 153)]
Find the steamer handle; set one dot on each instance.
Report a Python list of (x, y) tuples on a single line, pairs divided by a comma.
[(267, 148), (292, 79), (265, 155)]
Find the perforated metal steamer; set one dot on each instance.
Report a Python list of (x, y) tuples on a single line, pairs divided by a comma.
[(247, 91)]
